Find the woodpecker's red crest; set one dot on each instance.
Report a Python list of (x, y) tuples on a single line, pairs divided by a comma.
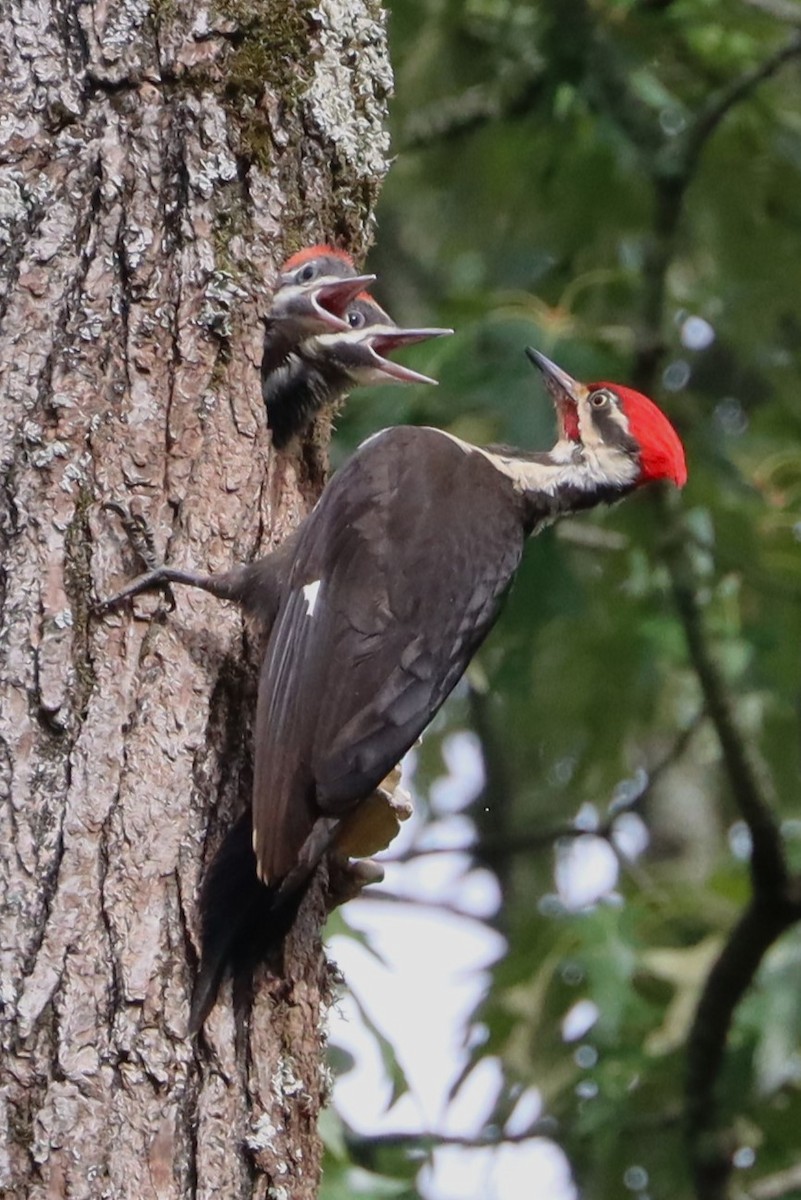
[(661, 451)]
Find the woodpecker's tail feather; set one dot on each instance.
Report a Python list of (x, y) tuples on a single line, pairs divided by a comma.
[(241, 920)]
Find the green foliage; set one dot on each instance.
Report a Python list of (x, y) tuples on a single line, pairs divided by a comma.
[(541, 146), (342, 1180)]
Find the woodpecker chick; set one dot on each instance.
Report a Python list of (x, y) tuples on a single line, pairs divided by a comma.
[(324, 368), (314, 288)]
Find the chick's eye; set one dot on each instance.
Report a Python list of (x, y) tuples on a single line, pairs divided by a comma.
[(306, 273), (601, 399), (356, 319)]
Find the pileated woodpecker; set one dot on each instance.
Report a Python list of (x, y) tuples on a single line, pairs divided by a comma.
[(376, 605), (325, 335)]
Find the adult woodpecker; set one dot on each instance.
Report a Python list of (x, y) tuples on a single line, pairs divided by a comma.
[(377, 604), (326, 335)]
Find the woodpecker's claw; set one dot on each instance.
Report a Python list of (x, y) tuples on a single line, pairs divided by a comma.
[(142, 542), (564, 390), (319, 304)]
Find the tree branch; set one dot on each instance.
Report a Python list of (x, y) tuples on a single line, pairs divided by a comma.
[(769, 874), (711, 1148), (455, 116), (490, 1137), (774, 1187), (711, 115), (488, 850), (782, 10)]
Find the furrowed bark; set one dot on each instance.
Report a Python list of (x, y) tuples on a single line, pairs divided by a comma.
[(157, 160)]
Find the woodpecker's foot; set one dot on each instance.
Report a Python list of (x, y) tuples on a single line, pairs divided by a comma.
[(140, 536), (159, 577), (376, 821), (347, 879)]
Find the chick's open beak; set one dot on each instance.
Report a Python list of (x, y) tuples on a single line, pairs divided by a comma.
[(321, 302), (380, 341)]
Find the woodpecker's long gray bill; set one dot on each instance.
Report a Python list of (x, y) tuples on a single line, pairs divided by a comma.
[(556, 378), (565, 392), (383, 342)]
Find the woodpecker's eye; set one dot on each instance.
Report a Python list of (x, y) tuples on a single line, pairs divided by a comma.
[(307, 273), (601, 398), (356, 319)]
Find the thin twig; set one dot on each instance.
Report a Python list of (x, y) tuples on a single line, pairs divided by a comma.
[(455, 117), (546, 1128), (710, 117), (774, 1187), (379, 896), (751, 793), (782, 10), (763, 921), (491, 849)]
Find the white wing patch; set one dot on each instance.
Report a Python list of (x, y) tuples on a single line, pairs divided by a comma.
[(310, 593)]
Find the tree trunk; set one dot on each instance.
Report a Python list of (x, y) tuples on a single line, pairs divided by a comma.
[(157, 159)]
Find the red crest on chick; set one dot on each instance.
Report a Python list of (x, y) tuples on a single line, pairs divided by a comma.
[(310, 252)]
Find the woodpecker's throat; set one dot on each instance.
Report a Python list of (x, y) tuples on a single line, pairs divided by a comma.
[(299, 389)]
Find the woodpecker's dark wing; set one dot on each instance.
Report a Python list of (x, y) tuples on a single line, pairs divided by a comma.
[(397, 577)]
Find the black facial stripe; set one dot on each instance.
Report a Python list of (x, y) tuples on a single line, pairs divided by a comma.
[(611, 431)]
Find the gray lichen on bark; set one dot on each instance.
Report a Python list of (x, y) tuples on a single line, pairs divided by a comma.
[(152, 162)]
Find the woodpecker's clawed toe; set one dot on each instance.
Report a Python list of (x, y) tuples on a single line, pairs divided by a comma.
[(142, 541)]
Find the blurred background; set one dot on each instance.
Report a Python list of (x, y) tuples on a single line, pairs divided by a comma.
[(618, 183)]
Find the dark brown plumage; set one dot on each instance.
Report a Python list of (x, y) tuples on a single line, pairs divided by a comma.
[(375, 607)]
